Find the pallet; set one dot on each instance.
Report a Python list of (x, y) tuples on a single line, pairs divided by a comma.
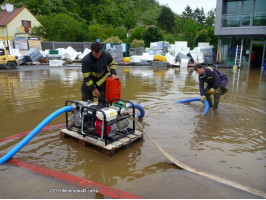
[(109, 149), (69, 62)]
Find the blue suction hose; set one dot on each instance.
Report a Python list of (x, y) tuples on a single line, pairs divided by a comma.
[(140, 108), (188, 100), (207, 106), (34, 132), (206, 109)]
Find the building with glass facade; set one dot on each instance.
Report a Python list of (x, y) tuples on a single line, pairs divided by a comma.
[(242, 23)]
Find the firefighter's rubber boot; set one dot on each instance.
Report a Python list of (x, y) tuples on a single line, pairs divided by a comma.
[(216, 102), (223, 91), (217, 95)]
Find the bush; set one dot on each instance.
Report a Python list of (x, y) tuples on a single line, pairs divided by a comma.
[(152, 34), (113, 40), (137, 43)]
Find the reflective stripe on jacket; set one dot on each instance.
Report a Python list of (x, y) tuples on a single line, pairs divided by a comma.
[(95, 71), (213, 77)]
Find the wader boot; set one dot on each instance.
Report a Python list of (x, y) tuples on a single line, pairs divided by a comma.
[(223, 90), (217, 95), (208, 97)]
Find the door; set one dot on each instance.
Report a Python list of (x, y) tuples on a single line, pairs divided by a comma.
[(257, 55)]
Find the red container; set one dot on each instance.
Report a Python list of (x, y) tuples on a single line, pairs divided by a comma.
[(113, 89)]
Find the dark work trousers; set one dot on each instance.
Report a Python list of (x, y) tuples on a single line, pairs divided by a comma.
[(217, 94), (87, 94)]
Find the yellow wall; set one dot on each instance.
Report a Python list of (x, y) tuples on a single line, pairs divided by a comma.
[(13, 26)]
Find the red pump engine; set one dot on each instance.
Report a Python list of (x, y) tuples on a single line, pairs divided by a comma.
[(98, 127)]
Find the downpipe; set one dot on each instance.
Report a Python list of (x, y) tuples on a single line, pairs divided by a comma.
[(34, 132)]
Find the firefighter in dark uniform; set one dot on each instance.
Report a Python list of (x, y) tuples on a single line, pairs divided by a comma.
[(95, 69), (216, 81)]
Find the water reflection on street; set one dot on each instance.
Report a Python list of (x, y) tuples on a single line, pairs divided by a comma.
[(229, 142)]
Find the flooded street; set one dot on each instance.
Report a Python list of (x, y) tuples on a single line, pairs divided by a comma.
[(229, 143)]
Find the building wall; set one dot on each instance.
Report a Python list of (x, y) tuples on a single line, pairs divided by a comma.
[(230, 37), (2, 32), (234, 31), (14, 25)]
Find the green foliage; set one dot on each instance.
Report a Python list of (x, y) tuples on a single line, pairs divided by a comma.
[(152, 34), (171, 38), (60, 27), (136, 33), (79, 20), (206, 35), (187, 13), (213, 38), (166, 19), (202, 36), (95, 31), (137, 43), (121, 32), (113, 40), (199, 15), (189, 32), (210, 18)]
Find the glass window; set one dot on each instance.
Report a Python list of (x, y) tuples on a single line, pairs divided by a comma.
[(231, 20), (245, 20), (246, 12), (232, 13), (247, 7), (232, 7), (260, 13), (241, 13), (228, 50), (260, 6)]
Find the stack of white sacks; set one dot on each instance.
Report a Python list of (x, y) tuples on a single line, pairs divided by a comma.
[(180, 47)]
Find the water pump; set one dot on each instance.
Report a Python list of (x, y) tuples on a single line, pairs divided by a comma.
[(101, 120)]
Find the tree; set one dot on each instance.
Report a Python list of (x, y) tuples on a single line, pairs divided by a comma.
[(136, 33), (210, 18), (188, 13), (152, 34), (166, 19), (96, 32), (121, 32), (179, 23), (199, 15), (189, 32), (202, 36), (213, 38), (60, 27), (207, 35), (113, 40), (137, 43)]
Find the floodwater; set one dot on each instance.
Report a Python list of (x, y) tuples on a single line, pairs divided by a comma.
[(229, 143)]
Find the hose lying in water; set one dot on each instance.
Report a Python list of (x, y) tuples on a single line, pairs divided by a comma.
[(34, 132), (207, 106), (140, 108), (204, 174)]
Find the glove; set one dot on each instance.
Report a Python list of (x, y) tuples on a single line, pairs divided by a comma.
[(202, 99), (211, 91)]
